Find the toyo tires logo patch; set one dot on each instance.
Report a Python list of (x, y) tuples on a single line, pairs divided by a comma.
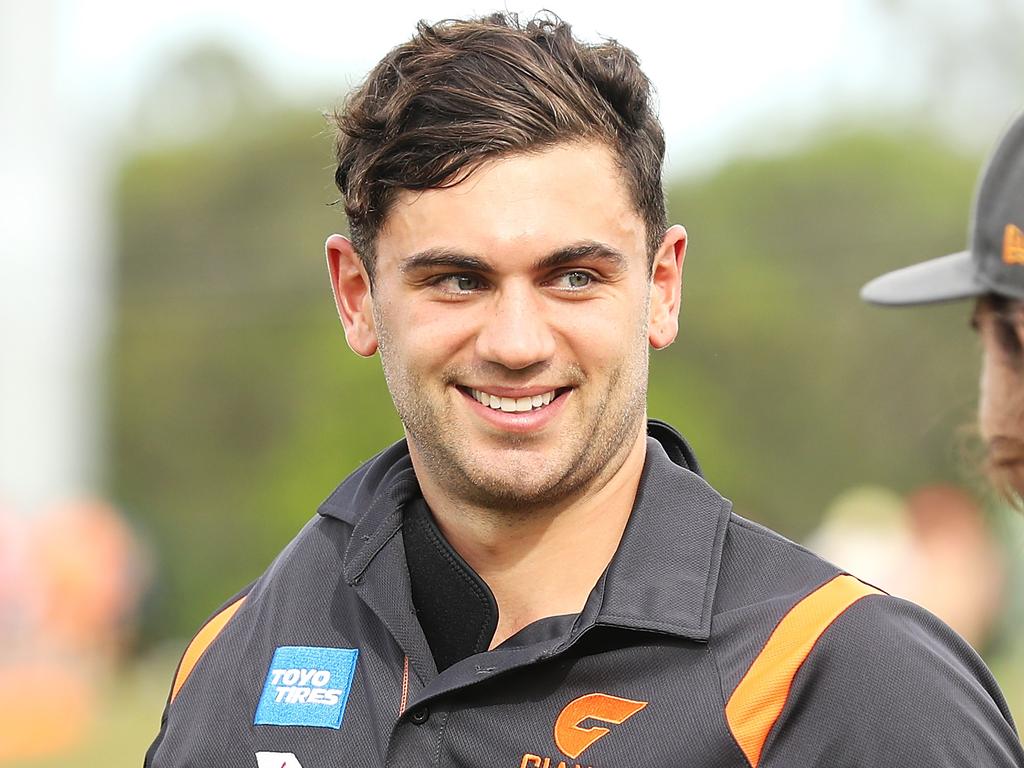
[(306, 685)]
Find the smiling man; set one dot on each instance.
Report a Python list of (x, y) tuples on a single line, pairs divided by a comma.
[(537, 576)]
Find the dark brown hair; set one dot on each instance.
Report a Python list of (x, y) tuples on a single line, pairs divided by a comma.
[(461, 92), (1006, 314)]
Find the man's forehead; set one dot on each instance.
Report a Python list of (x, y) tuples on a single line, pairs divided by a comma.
[(542, 201)]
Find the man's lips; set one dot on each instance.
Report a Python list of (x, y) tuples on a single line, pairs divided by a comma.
[(515, 399)]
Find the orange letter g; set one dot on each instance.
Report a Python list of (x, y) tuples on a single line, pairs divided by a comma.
[(572, 739)]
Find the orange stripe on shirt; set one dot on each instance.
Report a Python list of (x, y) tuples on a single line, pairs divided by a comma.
[(757, 702), (204, 637)]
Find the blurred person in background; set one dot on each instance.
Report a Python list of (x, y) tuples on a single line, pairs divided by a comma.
[(538, 575), (70, 581), (934, 548), (991, 272)]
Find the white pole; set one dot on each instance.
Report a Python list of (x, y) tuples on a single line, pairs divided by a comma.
[(54, 271)]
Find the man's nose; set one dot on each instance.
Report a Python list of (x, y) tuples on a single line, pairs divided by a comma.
[(515, 333)]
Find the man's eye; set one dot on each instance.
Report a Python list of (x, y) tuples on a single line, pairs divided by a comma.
[(459, 283), (575, 280)]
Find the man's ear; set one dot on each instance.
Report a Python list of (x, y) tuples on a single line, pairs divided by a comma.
[(351, 286), (666, 288)]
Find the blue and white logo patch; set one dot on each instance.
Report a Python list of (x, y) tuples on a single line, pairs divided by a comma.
[(307, 686)]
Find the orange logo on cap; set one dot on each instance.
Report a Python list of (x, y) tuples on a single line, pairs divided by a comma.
[(572, 739), (1013, 244)]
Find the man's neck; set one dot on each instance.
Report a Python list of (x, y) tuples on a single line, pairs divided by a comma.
[(547, 562)]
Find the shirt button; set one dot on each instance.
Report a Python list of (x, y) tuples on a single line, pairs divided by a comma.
[(419, 716)]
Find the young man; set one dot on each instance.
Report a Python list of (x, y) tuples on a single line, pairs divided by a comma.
[(992, 272), (537, 576)]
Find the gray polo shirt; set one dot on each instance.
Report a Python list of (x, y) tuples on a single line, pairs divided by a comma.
[(709, 641)]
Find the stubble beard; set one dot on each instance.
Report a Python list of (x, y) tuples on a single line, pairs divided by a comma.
[(524, 483)]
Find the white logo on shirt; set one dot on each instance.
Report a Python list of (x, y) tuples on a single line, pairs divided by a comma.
[(277, 760), (304, 686)]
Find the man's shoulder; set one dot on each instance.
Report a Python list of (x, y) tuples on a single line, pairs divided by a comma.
[(813, 660), (882, 679), (761, 567), (765, 578), (777, 600)]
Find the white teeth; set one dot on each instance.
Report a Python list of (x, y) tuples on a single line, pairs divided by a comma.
[(512, 404)]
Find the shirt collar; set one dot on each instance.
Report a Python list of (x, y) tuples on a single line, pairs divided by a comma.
[(663, 574)]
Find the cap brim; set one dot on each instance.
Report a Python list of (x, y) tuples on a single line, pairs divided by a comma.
[(943, 279)]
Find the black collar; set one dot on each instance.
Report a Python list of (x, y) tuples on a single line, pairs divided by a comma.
[(455, 607)]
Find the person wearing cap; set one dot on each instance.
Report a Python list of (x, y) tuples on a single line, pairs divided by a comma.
[(538, 576), (991, 272)]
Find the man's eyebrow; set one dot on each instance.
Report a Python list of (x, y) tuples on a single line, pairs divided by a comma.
[(585, 250), (432, 258)]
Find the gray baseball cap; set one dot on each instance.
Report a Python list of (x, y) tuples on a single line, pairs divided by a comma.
[(995, 261)]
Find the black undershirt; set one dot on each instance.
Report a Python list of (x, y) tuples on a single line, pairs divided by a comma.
[(454, 606)]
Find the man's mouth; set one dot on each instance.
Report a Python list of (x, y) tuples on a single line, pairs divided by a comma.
[(523, 404)]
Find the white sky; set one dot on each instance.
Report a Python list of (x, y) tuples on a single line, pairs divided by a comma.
[(716, 66)]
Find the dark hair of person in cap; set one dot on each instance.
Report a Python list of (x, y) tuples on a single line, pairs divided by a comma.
[(991, 271)]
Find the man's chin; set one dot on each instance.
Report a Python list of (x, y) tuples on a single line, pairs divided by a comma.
[(516, 498), (512, 480)]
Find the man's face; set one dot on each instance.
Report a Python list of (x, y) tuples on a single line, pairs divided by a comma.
[(1001, 402), (512, 313)]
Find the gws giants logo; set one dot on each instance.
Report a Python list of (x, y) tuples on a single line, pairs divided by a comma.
[(572, 738)]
